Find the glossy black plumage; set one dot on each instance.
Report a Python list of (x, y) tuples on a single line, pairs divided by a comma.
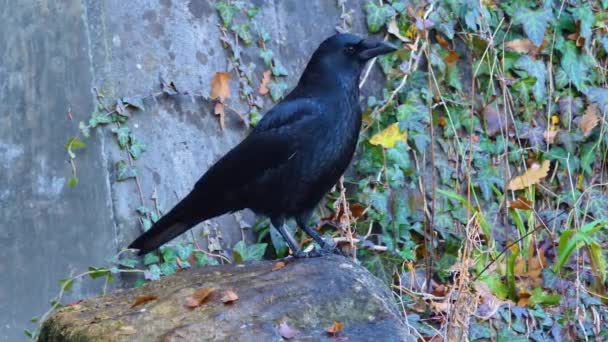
[(295, 154)]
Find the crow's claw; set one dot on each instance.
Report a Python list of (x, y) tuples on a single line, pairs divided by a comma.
[(311, 254)]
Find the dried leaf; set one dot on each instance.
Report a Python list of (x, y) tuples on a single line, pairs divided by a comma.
[(263, 90), (229, 297), (199, 297), (550, 135), (589, 120), (389, 136), (286, 331), (443, 42), (335, 328), (520, 203), (532, 176), (394, 30), (219, 111), (279, 265), (220, 86), (520, 45), (440, 306), (451, 57), (536, 264), (143, 300), (357, 210), (495, 120)]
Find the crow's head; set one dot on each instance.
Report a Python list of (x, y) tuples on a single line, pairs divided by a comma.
[(345, 54)]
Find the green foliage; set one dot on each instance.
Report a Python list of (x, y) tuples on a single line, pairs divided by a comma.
[(241, 252), (534, 22), (377, 15)]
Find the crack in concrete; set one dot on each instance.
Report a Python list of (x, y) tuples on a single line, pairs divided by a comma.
[(100, 137)]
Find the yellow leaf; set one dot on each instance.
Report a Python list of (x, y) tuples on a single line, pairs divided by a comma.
[(389, 136), (530, 177), (220, 86)]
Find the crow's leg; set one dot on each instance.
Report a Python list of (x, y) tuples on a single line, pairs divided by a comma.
[(279, 224), (302, 221)]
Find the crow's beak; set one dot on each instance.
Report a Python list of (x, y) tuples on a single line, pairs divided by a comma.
[(371, 48)]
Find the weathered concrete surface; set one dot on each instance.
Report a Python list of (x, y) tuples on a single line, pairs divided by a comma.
[(52, 53), (47, 230), (309, 295)]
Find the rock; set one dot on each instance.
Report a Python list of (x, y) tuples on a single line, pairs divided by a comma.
[(307, 294)]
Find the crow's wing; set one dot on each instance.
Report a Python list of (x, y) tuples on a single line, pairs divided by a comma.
[(269, 146)]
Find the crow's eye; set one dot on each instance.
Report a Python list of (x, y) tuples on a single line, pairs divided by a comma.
[(350, 49)]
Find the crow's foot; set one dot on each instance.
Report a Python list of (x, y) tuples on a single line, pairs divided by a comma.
[(312, 254)]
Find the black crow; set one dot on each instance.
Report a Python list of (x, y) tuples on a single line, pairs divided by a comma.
[(294, 155)]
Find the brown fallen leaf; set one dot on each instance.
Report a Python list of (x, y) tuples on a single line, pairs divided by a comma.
[(335, 328), (532, 176), (520, 203), (143, 300), (589, 120), (286, 331), (199, 297), (263, 89), (443, 42), (550, 135), (451, 57), (279, 265), (520, 45), (496, 121), (536, 264), (219, 111), (229, 297), (220, 86)]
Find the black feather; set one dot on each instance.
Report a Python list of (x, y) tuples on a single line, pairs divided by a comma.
[(295, 154)]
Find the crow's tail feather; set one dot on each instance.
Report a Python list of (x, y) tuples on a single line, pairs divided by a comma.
[(185, 215)]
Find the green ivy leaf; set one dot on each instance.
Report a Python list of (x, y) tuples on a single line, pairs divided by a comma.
[(486, 176), (377, 16), (599, 97), (151, 258), (125, 171), (537, 70), (122, 135), (584, 15), (227, 12), (279, 69), (243, 32), (267, 56), (136, 147), (277, 89), (241, 252), (575, 68), (98, 118), (167, 268), (535, 23)]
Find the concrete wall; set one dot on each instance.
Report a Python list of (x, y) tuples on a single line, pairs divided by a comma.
[(52, 53)]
